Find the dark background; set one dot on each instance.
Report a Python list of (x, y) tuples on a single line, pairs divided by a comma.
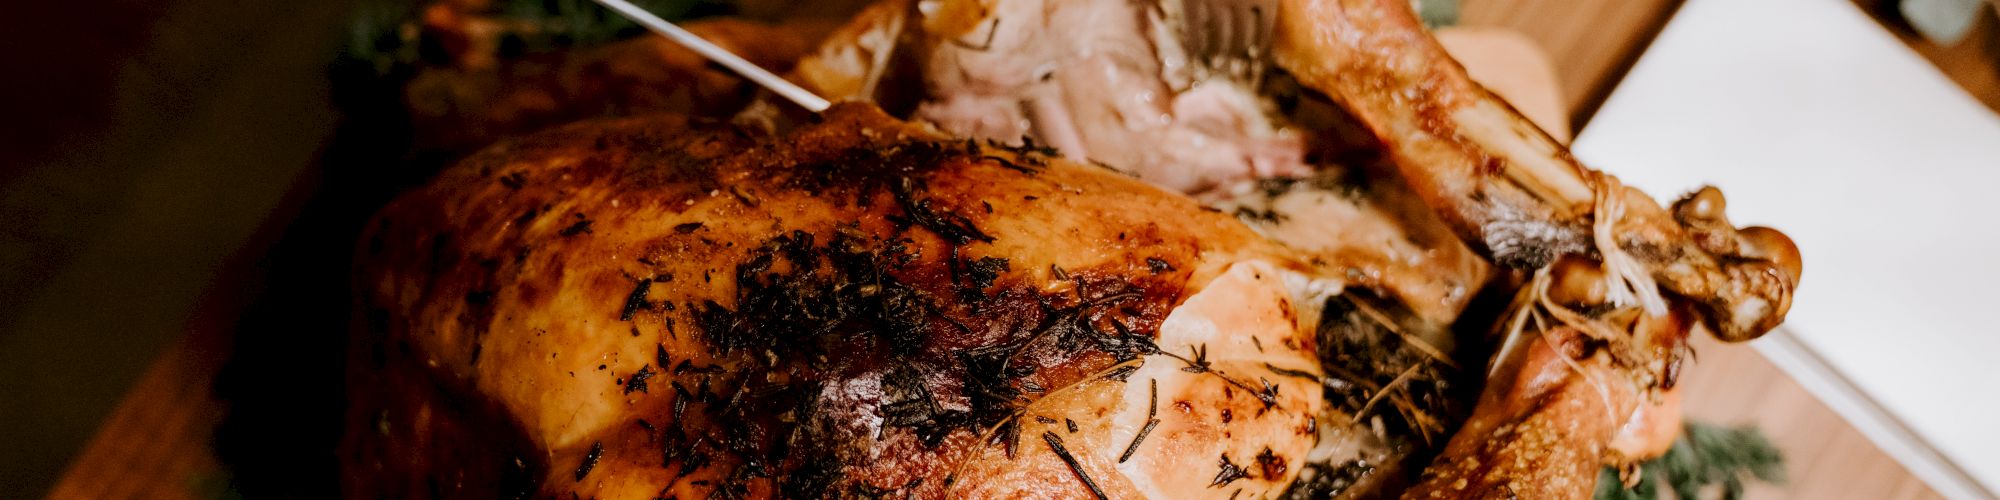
[(145, 144), (172, 173)]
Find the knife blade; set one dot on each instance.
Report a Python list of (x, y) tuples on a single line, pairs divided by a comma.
[(799, 95)]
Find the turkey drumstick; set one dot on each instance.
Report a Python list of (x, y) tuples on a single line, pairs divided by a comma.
[(1514, 192), (1568, 390)]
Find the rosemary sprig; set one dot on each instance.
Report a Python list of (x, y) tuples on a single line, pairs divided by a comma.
[(1705, 458)]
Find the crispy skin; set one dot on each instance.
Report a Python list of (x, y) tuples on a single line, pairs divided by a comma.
[(822, 314), (1540, 432)]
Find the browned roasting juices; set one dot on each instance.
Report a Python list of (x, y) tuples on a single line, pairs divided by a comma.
[(1046, 249)]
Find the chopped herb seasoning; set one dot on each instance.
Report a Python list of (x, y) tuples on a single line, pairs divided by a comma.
[(1010, 434), (1044, 420), (681, 397), (1056, 443), (1125, 345), (949, 225), (687, 365), (696, 459), (1291, 373), (911, 404), (1071, 424), (526, 217), (636, 300), (1026, 165), (1270, 465), (1138, 438), (1229, 473), (1266, 216), (986, 269), (1158, 266), (1121, 373), (687, 228), (580, 227), (1152, 398), (1269, 395), (638, 380), (1197, 364), (1028, 144), (590, 460)]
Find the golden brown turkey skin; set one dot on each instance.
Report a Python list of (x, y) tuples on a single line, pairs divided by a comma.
[(650, 307)]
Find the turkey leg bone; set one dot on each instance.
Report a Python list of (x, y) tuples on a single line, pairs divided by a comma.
[(1568, 391), (1512, 191)]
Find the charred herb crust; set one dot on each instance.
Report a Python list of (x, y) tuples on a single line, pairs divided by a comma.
[(1056, 444), (1417, 397), (813, 310)]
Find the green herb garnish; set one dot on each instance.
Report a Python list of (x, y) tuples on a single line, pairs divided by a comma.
[(1705, 458)]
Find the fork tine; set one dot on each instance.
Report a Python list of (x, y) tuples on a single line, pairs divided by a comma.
[(1200, 28), (1247, 27), (1263, 23), (1229, 35), (1191, 37)]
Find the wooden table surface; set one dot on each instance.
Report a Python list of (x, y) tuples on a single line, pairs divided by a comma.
[(157, 442), (1592, 42)]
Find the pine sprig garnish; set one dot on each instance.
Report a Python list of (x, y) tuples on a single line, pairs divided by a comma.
[(1705, 458)]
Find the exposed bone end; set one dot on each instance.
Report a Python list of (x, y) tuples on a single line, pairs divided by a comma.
[(1759, 267), (1774, 246), (1754, 299), (1703, 214), (1512, 191)]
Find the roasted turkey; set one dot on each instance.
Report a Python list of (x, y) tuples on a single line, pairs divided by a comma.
[(1046, 249)]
